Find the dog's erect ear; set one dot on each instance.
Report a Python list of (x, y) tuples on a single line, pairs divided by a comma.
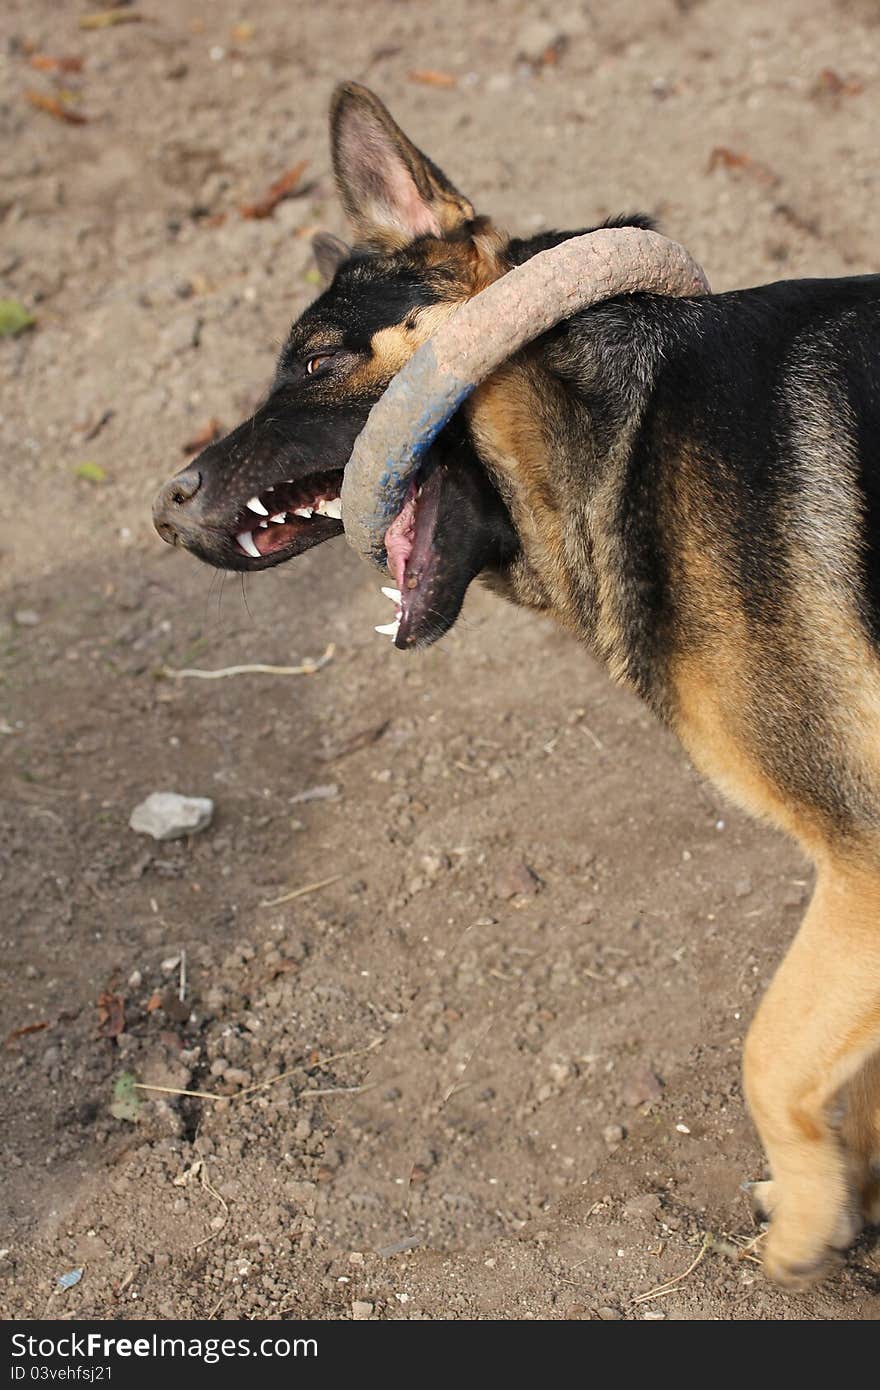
[(330, 251), (391, 192)]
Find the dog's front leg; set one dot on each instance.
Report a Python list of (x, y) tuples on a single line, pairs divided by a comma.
[(812, 1045)]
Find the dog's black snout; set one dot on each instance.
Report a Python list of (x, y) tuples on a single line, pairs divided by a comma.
[(185, 485), (171, 498)]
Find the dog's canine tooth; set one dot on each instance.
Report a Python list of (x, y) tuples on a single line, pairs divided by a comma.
[(393, 594), (331, 507), (246, 541), (389, 629), (279, 517), (255, 505)]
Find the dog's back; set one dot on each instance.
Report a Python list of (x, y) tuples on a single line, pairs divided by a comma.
[(774, 514), (715, 530)]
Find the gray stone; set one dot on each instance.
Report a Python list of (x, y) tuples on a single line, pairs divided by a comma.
[(169, 816)]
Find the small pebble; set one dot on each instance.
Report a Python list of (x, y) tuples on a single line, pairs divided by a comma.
[(516, 879), (170, 816), (641, 1087)]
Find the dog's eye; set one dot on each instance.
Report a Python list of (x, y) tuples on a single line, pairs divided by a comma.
[(315, 363)]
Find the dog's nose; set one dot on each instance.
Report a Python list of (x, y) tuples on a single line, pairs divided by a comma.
[(172, 500)]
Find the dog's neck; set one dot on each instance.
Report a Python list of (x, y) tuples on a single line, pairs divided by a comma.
[(555, 429)]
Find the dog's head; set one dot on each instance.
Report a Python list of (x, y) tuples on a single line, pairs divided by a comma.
[(270, 490)]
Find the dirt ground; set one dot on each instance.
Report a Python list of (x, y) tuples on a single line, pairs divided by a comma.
[(508, 1032)]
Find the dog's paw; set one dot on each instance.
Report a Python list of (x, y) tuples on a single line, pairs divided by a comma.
[(796, 1267), (798, 1257), (795, 1255)]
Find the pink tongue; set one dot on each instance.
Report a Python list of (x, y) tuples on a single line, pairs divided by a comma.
[(399, 541)]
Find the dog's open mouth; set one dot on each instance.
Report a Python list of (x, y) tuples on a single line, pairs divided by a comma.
[(412, 560), (451, 527), (289, 517)]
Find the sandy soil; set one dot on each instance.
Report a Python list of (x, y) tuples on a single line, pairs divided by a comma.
[(507, 1093)]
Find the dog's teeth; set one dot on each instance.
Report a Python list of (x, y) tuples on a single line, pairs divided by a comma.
[(263, 525), (302, 511), (278, 518), (246, 541), (255, 505), (331, 507), (393, 594), (389, 629)]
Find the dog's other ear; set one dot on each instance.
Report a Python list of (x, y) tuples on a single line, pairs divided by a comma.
[(329, 251), (391, 192)]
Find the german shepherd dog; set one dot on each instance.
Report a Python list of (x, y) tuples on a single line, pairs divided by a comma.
[(692, 487)]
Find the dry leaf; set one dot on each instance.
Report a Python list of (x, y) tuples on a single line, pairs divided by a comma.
[(429, 78), (206, 435), (23, 1032), (731, 159), (830, 84), (94, 425), (103, 19), (44, 62), (284, 967), (111, 1015), (363, 739), (280, 189), (54, 106)]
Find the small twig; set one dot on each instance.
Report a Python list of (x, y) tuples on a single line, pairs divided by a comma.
[(341, 1090), (214, 1193), (181, 990), (308, 668), (175, 1091), (300, 892), (595, 737), (272, 1081), (322, 1062), (663, 1289), (343, 1056)]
